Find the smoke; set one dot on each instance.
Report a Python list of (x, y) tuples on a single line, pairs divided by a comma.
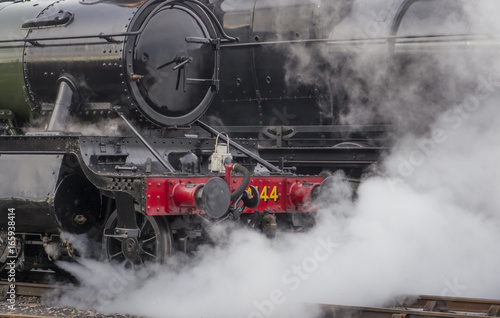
[(100, 127), (366, 79), (428, 224), (239, 276), (425, 223)]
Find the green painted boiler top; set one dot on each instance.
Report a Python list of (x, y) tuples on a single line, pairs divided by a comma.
[(12, 85)]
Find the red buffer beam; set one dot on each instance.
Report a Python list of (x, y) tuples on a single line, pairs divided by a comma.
[(178, 196)]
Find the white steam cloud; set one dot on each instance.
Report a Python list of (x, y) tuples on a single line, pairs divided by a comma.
[(99, 127), (429, 225), (425, 223)]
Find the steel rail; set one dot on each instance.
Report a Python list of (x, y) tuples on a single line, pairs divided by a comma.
[(334, 311), (373, 312), (4, 315), (443, 304), (28, 289), (420, 306)]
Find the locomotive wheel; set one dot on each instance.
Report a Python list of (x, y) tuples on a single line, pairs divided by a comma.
[(4, 251), (153, 245)]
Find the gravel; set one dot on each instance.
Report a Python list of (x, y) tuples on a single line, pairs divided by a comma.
[(33, 306)]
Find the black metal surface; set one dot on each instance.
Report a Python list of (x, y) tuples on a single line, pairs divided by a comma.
[(152, 244), (77, 204), (153, 151), (215, 198), (28, 185), (57, 19), (103, 154), (237, 146), (252, 200), (96, 64), (170, 77), (63, 103), (126, 225), (47, 186), (39, 145), (244, 183), (168, 63), (323, 156), (258, 84)]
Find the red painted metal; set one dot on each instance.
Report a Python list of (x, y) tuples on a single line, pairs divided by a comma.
[(301, 192), (156, 196), (184, 194), (284, 194), (176, 196), (229, 177), (173, 196)]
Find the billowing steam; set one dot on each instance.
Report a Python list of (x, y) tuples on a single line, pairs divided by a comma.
[(98, 127), (425, 222), (402, 82)]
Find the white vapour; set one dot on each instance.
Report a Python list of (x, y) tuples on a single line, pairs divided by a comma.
[(425, 223), (99, 127), (428, 225)]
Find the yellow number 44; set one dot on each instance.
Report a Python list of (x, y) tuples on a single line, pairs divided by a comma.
[(264, 194), (274, 194)]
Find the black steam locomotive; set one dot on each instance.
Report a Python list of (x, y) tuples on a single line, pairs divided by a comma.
[(143, 122)]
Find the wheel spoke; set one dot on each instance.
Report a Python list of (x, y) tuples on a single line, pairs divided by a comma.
[(144, 222), (150, 254), (115, 255), (149, 239), (150, 246)]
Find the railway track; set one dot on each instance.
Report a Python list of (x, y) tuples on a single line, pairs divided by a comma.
[(29, 289), (421, 306), (24, 316), (407, 307), (29, 305), (444, 304)]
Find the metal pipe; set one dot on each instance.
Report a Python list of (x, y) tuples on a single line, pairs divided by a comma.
[(62, 106), (238, 147), (244, 184), (109, 36), (155, 153)]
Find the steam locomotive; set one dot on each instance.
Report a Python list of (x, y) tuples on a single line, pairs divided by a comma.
[(143, 123)]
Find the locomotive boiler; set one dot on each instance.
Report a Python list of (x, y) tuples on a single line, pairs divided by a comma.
[(214, 123)]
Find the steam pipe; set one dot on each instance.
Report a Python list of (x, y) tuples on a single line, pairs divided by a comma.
[(62, 107), (244, 184)]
